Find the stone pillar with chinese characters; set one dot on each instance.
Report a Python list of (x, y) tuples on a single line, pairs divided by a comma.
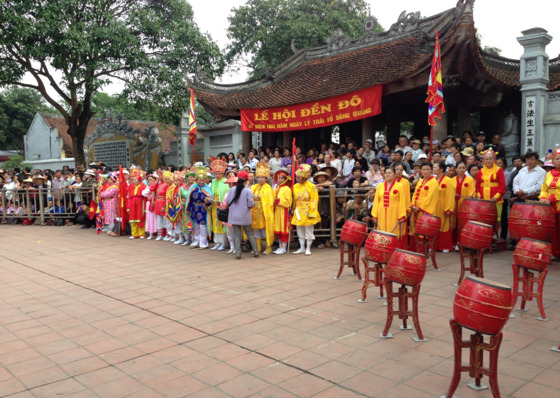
[(183, 140), (534, 78)]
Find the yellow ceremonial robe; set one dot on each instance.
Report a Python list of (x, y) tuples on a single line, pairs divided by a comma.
[(306, 200), (281, 210), (425, 198), (445, 202), (263, 211), (389, 207)]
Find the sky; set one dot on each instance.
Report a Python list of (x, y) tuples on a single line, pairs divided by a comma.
[(499, 22)]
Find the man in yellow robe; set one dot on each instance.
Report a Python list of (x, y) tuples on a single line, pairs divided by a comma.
[(282, 204), (424, 199), (389, 207), (306, 213), (445, 207), (263, 211)]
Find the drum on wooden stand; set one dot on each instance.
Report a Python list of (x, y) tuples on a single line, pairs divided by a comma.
[(533, 254), (354, 232), (406, 268), (476, 235), (532, 220), (428, 225), (380, 246), (482, 305), (484, 211)]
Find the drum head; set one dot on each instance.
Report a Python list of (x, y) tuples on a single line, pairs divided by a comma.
[(383, 233), (409, 252), (480, 223), (488, 282)]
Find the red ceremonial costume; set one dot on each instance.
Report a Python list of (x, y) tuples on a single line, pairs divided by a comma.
[(445, 209), (425, 198), (137, 209), (159, 203)]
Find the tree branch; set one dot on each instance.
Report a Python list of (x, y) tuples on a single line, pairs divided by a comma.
[(53, 83)]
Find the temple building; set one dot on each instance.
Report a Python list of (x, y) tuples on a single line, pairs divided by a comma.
[(482, 91)]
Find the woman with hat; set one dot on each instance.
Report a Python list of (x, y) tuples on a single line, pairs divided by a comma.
[(282, 205), (199, 202), (550, 194), (263, 211), (240, 201), (306, 213), (109, 196), (219, 191), (137, 204), (491, 181), (232, 182), (40, 184)]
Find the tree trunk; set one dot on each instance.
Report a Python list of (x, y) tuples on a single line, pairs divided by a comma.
[(78, 134)]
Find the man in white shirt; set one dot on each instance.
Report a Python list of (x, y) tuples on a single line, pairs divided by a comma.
[(253, 161), (403, 145), (369, 153), (528, 181)]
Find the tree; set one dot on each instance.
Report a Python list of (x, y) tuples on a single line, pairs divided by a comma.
[(15, 162), (261, 31), (17, 109), (141, 110), (148, 44)]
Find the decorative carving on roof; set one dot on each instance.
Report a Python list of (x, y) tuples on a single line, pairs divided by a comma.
[(370, 24), (452, 80), (337, 41), (406, 22), (293, 45)]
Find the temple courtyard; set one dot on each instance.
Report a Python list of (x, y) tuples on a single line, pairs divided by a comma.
[(94, 316)]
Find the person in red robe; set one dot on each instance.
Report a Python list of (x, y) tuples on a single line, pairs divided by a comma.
[(137, 204)]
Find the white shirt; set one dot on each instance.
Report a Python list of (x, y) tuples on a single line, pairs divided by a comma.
[(416, 153), (347, 167), (275, 165), (338, 164), (404, 149), (252, 163), (530, 181)]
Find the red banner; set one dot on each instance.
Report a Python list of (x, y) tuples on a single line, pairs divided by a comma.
[(336, 110)]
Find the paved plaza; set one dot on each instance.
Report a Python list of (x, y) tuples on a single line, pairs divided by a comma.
[(94, 316)]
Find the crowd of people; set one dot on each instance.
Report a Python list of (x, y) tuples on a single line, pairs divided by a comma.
[(234, 198)]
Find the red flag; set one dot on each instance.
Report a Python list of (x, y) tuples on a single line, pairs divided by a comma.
[(295, 164), (435, 87), (123, 199)]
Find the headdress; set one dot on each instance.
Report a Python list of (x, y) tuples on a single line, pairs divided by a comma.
[(190, 173), (178, 174), (167, 174), (218, 165), (303, 171), (283, 171), (555, 152), (263, 169), (490, 152), (138, 173), (201, 172)]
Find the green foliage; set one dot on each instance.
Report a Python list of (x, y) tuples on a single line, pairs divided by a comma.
[(261, 31), (488, 49), (17, 109), (148, 44), (141, 110), (15, 162)]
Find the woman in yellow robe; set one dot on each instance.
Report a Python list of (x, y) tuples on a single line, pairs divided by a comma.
[(389, 207), (465, 187), (445, 207), (263, 211), (399, 170), (306, 212), (424, 199), (282, 206), (550, 194)]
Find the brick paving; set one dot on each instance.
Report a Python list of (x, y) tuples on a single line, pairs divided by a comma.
[(95, 316)]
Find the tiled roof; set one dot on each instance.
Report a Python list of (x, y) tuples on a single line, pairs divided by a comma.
[(387, 58), (167, 133)]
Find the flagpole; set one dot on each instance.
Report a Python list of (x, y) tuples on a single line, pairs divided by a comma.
[(431, 143)]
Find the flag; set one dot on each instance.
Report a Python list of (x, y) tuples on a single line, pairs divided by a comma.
[(192, 122), (435, 87), (174, 209), (99, 213), (295, 164)]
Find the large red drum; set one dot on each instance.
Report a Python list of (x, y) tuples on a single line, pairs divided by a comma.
[(476, 235), (407, 268), (380, 246), (533, 254), (484, 211), (354, 232), (428, 225), (532, 220), (482, 305)]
